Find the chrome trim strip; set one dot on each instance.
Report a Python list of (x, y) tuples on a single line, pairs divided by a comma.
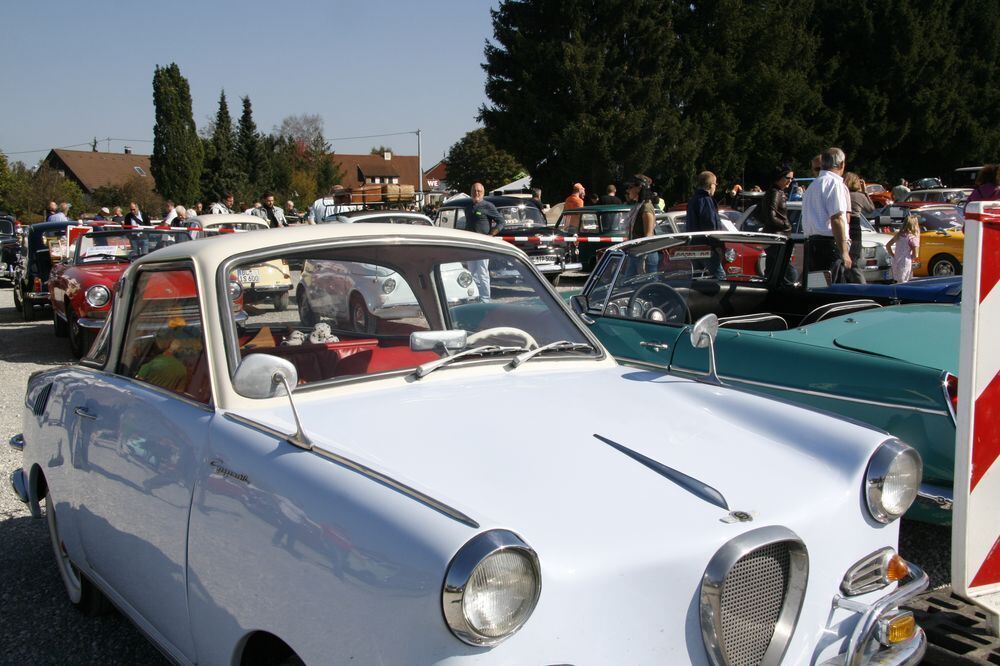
[(460, 571), (19, 484), (947, 397), (864, 630), (939, 496), (17, 442), (91, 323), (689, 483), (818, 394), (714, 578), (363, 470)]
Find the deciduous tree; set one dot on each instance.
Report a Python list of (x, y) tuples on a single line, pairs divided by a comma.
[(474, 158)]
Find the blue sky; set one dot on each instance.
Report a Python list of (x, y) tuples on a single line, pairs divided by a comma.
[(75, 70)]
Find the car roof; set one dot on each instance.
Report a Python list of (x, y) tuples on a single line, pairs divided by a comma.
[(495, 199), (210, 220), (603, 208), (213, 251)]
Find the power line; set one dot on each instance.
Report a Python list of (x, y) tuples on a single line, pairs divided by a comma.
[(45, 150), (371, 136)]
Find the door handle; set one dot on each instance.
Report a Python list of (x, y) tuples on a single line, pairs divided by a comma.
[(83, 413), (655, 346)]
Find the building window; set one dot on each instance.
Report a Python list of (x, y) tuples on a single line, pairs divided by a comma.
[(395, 181)]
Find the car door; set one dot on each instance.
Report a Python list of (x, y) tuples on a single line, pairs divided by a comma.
[(142, 445)]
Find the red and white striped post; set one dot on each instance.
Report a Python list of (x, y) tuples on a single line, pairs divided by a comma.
[(975, 535)]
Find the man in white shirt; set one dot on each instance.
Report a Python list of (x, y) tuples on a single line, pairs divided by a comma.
[(224, 207), (826, 206), (171, 213)]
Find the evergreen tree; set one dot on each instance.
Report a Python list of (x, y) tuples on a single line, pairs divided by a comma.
[(474, 158), (176, 161), (221, 174), (249, 155)]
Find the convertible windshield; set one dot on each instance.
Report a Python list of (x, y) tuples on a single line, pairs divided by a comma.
[(6, 226), (350, 311), (591, 222), (941, 219), (526, 215), (126, 245)]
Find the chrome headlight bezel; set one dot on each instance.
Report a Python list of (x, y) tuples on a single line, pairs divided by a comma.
[(98, 296), (880, 466), (388, 286), (464, 279), (460, 572)]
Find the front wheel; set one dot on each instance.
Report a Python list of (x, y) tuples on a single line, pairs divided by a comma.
[(81, 592), (281, 302), (59, 325), (306, 315), (362, 321), (944, 265), (79, 337)]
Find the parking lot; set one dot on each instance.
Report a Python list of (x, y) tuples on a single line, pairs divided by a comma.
[(40, 627)]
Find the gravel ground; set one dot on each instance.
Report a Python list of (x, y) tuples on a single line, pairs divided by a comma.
[(40, 627)]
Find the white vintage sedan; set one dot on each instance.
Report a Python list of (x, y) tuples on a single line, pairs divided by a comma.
[(248, 495)]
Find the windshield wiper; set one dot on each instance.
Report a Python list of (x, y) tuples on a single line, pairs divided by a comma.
[(485, 350), (558, 345)]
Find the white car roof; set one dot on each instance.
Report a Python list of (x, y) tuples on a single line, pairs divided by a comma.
[(209, 221), (215, 250)]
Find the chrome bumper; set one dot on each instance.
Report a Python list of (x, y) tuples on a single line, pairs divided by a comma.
[(863, 647), (545, 269), (20, 484), (37, 295), (936, 496), (91, 323)]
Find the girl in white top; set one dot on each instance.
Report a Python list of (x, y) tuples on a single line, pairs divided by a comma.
[(904, 247)]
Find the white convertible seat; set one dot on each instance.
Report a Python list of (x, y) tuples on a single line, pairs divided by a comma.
[(837, 309), (764, 321)]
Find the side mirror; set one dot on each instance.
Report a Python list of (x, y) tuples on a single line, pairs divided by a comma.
[(438, 341), (579, 303), (703, 334), (260, 376)]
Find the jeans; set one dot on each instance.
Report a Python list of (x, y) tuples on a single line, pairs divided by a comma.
[(480, 270)]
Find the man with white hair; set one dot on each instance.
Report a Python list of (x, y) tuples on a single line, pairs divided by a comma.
[(826, 206)]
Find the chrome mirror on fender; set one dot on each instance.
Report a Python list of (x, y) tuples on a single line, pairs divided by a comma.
[(703, 335), (262, 376), (443, 342)]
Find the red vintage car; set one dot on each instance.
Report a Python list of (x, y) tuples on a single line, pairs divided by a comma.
[(82, 285)]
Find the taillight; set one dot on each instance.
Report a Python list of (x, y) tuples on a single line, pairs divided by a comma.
[(37, 284), (951, 394)]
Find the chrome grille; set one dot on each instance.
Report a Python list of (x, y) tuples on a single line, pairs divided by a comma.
[(753, 595)]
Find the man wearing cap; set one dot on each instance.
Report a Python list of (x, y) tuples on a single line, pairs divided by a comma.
[(103, 216), (575, 200), (482, 217), (826, 207)]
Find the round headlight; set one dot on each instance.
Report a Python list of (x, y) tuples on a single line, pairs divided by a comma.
[(892, 480), (235, 290), (491, 588), (388, 286), (98, 296), (464, 279)]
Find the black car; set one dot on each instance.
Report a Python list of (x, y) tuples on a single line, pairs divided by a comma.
[(44, 245), (524, 226), (10, 247)]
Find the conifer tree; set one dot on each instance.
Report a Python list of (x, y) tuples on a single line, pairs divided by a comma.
[(220, 174), (249, 156), (176, 161)]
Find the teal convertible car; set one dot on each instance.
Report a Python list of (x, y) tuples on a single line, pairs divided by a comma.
[(891, 367)]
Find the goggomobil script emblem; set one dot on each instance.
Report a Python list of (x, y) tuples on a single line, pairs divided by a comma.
[(222, 470)]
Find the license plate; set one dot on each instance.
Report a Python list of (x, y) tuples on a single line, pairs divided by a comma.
[(249, 276), (543, 260), (887, 275)]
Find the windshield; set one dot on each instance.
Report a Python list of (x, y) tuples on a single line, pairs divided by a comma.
[(942, 219), (525, 215), (6, 226), (349, 310), (126, 245)]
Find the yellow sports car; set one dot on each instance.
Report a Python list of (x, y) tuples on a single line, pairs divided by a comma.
[(942, 237)]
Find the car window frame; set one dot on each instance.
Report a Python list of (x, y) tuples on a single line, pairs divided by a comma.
[(113, 364)]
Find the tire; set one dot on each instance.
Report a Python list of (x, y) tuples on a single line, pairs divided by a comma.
[(79, 337), (27, 310), (17, 298), (81, 592), (361, 320), (306, 315), (59, 325), (281, 302), (944, 265)]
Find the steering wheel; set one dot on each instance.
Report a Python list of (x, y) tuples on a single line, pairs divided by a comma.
[(502, 331), (663, 299)]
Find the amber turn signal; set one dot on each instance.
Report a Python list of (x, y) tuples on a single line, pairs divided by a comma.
[(899, 629), (897, 569)]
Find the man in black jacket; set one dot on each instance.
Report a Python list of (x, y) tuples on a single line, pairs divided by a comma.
[(135, 216)]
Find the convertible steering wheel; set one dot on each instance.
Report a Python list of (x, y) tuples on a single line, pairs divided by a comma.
[(502, 332), (666, 305)]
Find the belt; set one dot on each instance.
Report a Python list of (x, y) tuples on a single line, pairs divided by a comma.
[(820, 237)]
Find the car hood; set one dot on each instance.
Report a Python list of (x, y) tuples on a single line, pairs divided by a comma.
[(545, 474), (88, 274), (924, 335)]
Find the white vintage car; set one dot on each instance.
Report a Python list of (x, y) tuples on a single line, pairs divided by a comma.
[(247, 496)]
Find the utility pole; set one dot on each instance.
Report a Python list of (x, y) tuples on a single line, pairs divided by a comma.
[(420, 171)]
